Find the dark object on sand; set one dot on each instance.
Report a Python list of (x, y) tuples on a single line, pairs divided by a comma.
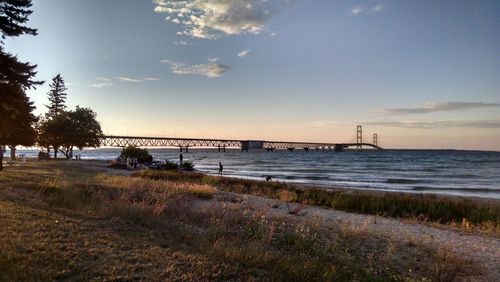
[(269, 178)]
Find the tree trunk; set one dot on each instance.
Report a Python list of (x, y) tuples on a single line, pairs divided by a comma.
[(1, 158), (55, 152), (12, 153)]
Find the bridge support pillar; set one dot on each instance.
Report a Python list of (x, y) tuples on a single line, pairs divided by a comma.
[(339, 147), (291, 149), (306, 149)]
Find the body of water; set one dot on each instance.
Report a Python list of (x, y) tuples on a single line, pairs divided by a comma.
[(467, 173)]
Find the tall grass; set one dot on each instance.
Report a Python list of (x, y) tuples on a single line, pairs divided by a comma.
[(429, 208)]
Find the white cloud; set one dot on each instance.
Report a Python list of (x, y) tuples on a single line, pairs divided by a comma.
[(101, 84), (244, 53), (213, 60), (211, 70), (103, 79), (438, 107), (377, 8), (128, 79), (212, 19), (356, 10), (183, 43), (151, 79)]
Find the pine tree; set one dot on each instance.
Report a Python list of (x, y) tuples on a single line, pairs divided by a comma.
[(13, 15), (57, 97), (16, 118)]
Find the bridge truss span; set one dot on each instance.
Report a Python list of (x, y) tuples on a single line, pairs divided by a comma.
[(124, 141), (222, 144)]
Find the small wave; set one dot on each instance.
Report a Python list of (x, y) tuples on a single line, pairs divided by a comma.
[(402, 181), (483, 190)]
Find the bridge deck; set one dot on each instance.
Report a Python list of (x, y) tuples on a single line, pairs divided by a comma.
[(123, 141)]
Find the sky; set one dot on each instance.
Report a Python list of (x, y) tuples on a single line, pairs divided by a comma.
[(420, 74)]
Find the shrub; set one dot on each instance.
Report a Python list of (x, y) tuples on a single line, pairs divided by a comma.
[(169, 166), (135, 152), (188, 166)]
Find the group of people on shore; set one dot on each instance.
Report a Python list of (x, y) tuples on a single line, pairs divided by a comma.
[(135, 164)]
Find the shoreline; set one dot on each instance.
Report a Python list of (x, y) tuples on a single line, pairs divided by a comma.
[(332, 188)]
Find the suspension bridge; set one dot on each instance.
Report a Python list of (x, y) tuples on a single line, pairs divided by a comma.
[(221, 144)]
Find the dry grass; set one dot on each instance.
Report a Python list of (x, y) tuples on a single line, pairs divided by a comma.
[(101, 227), (457, 212)]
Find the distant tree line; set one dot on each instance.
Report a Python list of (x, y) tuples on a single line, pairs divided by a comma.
[(59, 129)]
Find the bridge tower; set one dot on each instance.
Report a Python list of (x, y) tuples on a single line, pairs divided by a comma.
[(375, 139), (359, 137)]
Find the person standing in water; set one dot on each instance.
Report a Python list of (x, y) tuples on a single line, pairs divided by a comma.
[(221, 168), (181, 158)]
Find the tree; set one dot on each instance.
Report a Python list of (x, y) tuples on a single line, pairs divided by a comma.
[(78, 128), (13, 15), (57, 97), (16, 118)]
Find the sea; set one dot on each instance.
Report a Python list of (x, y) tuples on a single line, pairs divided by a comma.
[(449, 172)]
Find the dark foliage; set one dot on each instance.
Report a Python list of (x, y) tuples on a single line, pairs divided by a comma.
[(188, 166), (134, 152), (78, 128), (13, 17), (57, 97), (17, 120)]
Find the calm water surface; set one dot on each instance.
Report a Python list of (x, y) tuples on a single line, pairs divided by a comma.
[(468, 173)]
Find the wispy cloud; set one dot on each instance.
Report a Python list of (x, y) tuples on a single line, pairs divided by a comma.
[(438, 107), (212, 19), (358, 9), (377, 8), (213, 60), (211, 70), (103, 79), (101, 84), (128, 79), (439, 124), (182, 42), (244, 53), (151, 79)]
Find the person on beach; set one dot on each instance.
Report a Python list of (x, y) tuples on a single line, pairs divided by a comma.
[(221, 168), (181, 158)]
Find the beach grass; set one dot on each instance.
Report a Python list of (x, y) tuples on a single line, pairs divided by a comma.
[(455, 211), (78, 223)]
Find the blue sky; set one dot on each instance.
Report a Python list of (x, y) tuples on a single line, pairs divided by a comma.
[(422, 74)]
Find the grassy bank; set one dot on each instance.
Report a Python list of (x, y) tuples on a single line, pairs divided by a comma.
[(459, 212), (63, 221)]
